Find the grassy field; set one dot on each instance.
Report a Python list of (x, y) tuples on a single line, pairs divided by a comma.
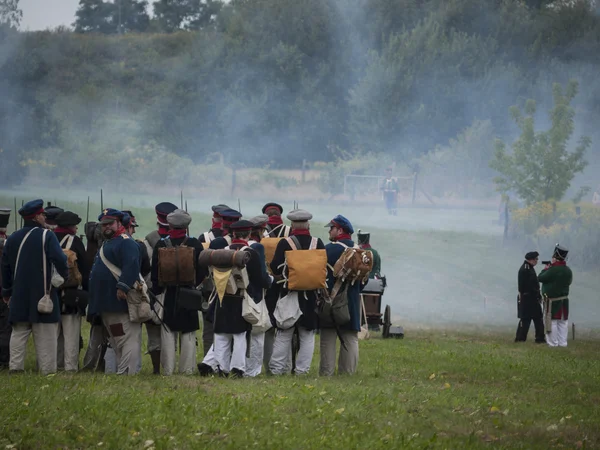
[(456, 381), (437, 389)]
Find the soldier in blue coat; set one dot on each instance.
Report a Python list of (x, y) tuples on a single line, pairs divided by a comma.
[(5, 328), (23, 286), (340, 232), (108, 295)]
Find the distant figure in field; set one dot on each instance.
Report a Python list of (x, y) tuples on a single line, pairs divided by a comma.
[(556, 279), (390, 190), (529, 301), (596, 197)]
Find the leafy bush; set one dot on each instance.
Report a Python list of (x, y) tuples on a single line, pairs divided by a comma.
[(542, 226)]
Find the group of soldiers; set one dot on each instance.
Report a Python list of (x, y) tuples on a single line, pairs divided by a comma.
[(51, 281), (548, 308)]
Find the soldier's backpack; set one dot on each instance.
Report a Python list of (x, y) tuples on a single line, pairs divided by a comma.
[(270, 245), (354, 265), (176, 264), (74, 280), (305, 270)]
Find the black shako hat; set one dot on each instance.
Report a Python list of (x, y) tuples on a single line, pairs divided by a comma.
[(4, 217), (560, 252)]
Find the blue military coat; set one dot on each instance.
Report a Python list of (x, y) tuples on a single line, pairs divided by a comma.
[(334, 251), (124, 253), (28, 287)]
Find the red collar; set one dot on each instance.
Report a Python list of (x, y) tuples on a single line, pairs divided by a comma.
[(275, 220), (558, 263), (365, 246), (344, 236), (300, 232), (239, 241), (121, 230), (177, 234), (64, 231), (163, 231)]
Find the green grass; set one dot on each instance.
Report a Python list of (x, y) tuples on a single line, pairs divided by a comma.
[(438, 388), (434, 389)]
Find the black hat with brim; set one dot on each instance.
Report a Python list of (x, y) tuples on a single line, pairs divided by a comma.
[(67, 219)]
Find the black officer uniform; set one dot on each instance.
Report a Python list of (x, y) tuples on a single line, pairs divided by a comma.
[(529, 302)]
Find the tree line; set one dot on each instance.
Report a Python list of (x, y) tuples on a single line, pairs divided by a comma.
[(273, 82)]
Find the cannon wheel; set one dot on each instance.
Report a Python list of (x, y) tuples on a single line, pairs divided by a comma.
[(387, 321)]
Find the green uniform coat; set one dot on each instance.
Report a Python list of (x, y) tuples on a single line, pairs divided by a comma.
[(555, 283)]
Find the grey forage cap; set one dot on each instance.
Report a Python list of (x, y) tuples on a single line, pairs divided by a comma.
[(179, 219), (260, 220), (299, 215)]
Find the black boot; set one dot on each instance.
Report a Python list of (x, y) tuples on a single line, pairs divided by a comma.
[(155, 357), (205, 370)]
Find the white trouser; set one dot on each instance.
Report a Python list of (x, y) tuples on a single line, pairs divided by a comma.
[(255, 361), (210, 359), (348, 359), (558, 335), (229, 358), (268, 351), (168, 351), (126, 340), (69, 331), (282, 351), (110, 361), (154, 334), (45, 339)]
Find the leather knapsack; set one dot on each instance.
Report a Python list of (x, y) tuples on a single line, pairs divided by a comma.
[(355, 264), (176, 265), (305, 270), (75, 277)]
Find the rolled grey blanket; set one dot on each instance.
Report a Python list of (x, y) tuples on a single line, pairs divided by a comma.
[(223, 258)]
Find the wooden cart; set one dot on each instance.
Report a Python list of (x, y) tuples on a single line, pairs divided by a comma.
[(372, 295)]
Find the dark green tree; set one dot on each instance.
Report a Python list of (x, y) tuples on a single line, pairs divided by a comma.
[(10, 13), (119, 16), (94, 16)]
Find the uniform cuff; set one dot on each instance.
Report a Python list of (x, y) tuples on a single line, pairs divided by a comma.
[(125, 288)]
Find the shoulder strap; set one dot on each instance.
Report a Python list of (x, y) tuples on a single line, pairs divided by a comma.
[(228, 239), (341, 243), (184, 241), (69, 240), (168, 242), (46, 288), (293, 241), (19, 252), (113, 269), (313, 243)]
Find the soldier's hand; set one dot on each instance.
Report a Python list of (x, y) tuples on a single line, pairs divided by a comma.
[(6, 300), (121, 295)]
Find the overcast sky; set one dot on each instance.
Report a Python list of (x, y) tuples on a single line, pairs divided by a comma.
[(42, 14)]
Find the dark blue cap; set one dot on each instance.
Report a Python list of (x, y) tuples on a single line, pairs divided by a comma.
[(230, 215), (242, 225), (31, 209), (110, 215), (341, 222)]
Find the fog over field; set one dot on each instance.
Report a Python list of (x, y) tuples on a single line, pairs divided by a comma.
[(351, 87)]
